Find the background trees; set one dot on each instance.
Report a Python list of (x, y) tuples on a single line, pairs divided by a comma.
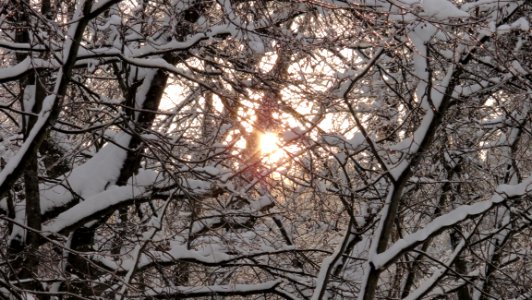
[(132, 162)]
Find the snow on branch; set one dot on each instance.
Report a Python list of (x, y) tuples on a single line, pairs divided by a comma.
[(502, 193), (93, 206), (28, 64), (111, 198), (219, 290), (49, 109), (429, 283), (206, 255)]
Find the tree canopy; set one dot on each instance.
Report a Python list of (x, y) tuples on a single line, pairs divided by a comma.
[(302, 149)]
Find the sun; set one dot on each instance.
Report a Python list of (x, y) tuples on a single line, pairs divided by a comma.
[(269, 147), (268, 143)]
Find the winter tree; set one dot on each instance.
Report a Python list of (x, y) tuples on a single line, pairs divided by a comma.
[(305, 149)]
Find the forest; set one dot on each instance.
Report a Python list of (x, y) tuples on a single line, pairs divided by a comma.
[(266, 149)]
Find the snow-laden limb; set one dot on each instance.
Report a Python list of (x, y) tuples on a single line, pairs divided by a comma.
[(22, 47), (87, 179), (206, 255), (434, 99), (103, 169), (329, 262), (371, 272), (429, 283), (441, 10), (499, 13), (353, 76), (49, 109), (115, 196), (215, 219), (502, 193), (205, 291), (504, 228), (426, 127), (100, 6), (483, 86), (431, 100), (28, 64), (497, 241), (17, 160), (100, 202), (153, 49)]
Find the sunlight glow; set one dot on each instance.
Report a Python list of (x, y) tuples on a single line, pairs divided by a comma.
[(268, 143), (269, 146)]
